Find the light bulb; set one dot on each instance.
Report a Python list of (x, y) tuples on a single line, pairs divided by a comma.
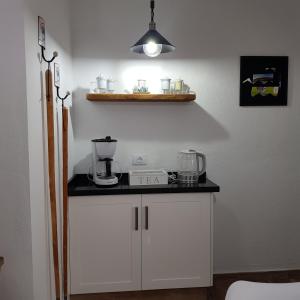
[(152, 49)]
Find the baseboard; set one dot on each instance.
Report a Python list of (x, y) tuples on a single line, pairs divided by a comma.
[(266, 275), (258, 270)]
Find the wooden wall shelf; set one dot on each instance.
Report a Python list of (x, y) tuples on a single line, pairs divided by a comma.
[(141, 97)]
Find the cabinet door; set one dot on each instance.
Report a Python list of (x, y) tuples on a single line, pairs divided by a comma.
[(177, 241), (105, 245)]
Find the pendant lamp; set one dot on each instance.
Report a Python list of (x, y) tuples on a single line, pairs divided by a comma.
[(152, 43)]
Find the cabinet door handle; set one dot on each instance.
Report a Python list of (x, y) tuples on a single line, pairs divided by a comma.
[(136, 218), (146, 217)]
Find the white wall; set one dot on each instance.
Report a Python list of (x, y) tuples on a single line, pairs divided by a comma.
[(16, 279), (23, 212), (56, 15), (253, 153)]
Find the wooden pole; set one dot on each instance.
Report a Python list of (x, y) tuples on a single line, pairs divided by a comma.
[(51, 170), (1, 262), (65, 199)]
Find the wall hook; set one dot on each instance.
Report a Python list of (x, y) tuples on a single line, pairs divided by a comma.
[(62, 98), (49, 61)]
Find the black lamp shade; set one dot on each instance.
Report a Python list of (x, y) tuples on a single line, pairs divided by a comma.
[(152, 35)]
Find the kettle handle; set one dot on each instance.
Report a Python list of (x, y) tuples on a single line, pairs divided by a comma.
[(203, 170)]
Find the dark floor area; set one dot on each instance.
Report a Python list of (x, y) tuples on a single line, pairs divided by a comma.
[(217, 292)]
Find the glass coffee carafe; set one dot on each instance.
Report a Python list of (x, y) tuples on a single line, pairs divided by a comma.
[(191, 165)]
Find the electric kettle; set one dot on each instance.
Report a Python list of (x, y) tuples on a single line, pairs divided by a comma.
[(189, 168)]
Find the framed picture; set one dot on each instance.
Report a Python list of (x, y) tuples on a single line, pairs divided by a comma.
[(264, 80), (56, 75), (42, 32)]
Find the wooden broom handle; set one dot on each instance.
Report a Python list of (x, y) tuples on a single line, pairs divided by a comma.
[(1, 262), (65, 199), (51, 170)]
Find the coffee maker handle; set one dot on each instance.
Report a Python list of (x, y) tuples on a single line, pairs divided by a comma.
[(108, 168), (203, 170)]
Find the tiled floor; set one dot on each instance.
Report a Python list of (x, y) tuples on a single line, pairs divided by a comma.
[(217, 292)]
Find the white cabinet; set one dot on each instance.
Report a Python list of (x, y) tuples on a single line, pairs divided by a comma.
[(134, 242), (177, 244), (105, 247)]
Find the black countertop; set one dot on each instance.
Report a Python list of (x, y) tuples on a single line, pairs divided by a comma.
[(80, 185)]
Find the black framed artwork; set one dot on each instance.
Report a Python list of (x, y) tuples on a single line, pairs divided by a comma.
[(264, 80)]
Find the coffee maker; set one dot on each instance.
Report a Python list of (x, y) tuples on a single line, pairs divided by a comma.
[(103, 152)]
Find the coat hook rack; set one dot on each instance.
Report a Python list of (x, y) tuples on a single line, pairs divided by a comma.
[(49, 61), (65, 210), (51, 155)]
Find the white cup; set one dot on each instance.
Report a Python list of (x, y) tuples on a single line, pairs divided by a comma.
[(101, 83), (165, 85)]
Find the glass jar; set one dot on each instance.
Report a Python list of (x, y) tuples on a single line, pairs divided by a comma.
[(166, 85)]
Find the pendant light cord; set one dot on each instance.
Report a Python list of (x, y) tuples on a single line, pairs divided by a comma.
[(152, 23), (152, 6)]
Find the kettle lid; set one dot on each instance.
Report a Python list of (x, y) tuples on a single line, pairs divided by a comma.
[(188, 151), (107, 139)]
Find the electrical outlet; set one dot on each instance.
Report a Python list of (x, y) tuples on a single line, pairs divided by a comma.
[(139, 160)]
